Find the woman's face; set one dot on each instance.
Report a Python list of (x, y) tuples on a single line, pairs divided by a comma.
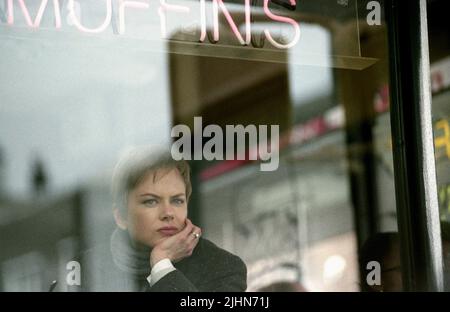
[(157, 207)]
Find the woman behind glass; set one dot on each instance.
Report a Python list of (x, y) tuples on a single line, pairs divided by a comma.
[(155, 247)]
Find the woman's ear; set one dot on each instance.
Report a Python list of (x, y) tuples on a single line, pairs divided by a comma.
[(121, 222)]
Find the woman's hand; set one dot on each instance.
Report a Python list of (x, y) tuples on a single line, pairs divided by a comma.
[(178, 246)]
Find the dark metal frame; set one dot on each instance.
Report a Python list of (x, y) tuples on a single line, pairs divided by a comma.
[(414, 163)]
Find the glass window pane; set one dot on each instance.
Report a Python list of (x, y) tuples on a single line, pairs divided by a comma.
[(285, 109)]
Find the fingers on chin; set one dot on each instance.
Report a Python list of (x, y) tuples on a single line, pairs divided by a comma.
[(188, 228)]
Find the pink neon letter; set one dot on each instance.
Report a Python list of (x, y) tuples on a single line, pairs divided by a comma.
[(233, 26), (130, 4), (202, 20), (166, 7), (37, 20), (91, 30), (285, 20)]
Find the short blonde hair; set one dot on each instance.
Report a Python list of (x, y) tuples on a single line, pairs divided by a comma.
[(135, 164)]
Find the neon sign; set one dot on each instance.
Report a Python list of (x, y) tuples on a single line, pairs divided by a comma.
[(163, 9), (26, 13)]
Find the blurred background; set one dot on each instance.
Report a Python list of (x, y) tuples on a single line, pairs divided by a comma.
[(72, 102)]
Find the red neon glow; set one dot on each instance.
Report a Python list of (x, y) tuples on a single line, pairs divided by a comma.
[(284, 20), (128, 4), (234, 28), (99, 29), (37, 20), (169, 7)]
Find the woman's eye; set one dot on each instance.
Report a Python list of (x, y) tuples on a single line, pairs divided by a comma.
[(179, 201), (150, 202)]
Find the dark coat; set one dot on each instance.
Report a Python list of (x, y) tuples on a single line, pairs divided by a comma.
[(208, 269)]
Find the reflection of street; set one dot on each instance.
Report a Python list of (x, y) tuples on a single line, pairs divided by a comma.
[(281, 221), (330, 265), (444, 202), (440, 79), (442, 151), (442, 139), (268, 234)]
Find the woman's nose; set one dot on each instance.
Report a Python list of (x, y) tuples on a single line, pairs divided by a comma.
[(167, 211)]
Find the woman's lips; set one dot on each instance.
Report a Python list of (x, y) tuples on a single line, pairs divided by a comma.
[(168, 231)]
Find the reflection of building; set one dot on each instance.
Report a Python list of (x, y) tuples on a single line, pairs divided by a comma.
[(300, 215), (38, 238)]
